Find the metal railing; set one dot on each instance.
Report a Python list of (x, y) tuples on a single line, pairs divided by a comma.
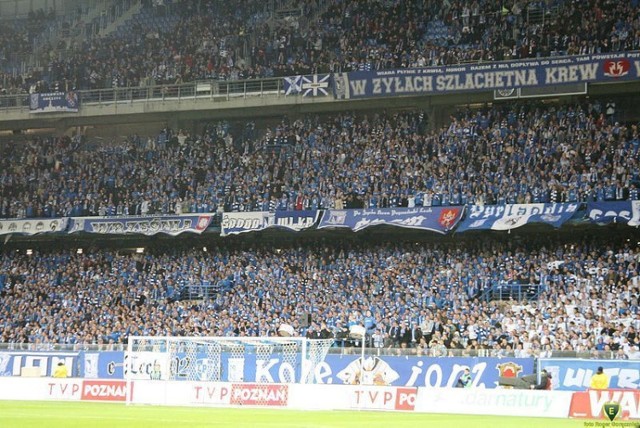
[(350, 346), (218, 90), (199, 291), (505, 290), (344, 347), (61, 347)]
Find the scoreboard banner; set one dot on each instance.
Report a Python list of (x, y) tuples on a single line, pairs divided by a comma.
[(494, 76)]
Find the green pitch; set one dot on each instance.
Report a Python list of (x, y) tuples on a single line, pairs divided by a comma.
[(89, 415)]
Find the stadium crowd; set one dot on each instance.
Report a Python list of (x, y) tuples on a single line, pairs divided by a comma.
[(365, 35), (218, 40), (428, 298), (516, 153)]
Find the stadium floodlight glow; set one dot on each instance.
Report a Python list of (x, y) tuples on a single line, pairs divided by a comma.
[(79, 251), (29, 251), (204, 249), (139, 250)]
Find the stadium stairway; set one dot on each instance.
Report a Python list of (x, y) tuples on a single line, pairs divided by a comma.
[(512, 291), (119, 21)]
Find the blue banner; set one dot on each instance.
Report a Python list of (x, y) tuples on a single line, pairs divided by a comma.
[(625, 212), (505, 75), (292, 85), (506, 217), (315, 85), (12, 362), (102, 365), (242, 222), (295, 220), (574, 374), (66, 102), (436, 219), (423, 371), (336, 369), (146, 225)]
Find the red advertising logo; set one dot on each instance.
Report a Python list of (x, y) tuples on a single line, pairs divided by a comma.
[(590, 404), (406, 399), (250, 394), (375, 398), (104, 390), (617, 68)]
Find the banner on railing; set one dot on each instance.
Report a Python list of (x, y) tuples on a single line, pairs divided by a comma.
[(574, 374), (437, 219), (33, 226), (506, 217), (492, 76), (12, 363), (295, 220), (147, 225), (242, 222), (315, 85), (624, 212), (54, 102), (335, 369)]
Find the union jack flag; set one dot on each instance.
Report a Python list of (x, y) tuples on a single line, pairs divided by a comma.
[(315, 85)]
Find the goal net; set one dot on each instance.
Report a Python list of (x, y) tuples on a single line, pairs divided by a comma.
[(224, 359)]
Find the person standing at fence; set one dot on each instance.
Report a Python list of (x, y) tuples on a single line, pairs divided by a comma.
[(465, 379), (545, 381), (61, 371), (599, 380)]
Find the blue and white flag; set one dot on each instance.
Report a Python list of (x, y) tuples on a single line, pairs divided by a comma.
[(148, 225), (574, 374), (54, 102), (339, 369), (504, 77), (316, 85), (292, 85), (624, 212), (507, 217), (437, 219), (295, 220)]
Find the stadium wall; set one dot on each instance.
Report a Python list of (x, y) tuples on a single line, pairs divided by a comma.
[(294, 396), (472, 401)]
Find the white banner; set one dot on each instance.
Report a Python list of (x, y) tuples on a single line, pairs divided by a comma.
[(635, 216), (235, 223), (505, 402), (33, 226)]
